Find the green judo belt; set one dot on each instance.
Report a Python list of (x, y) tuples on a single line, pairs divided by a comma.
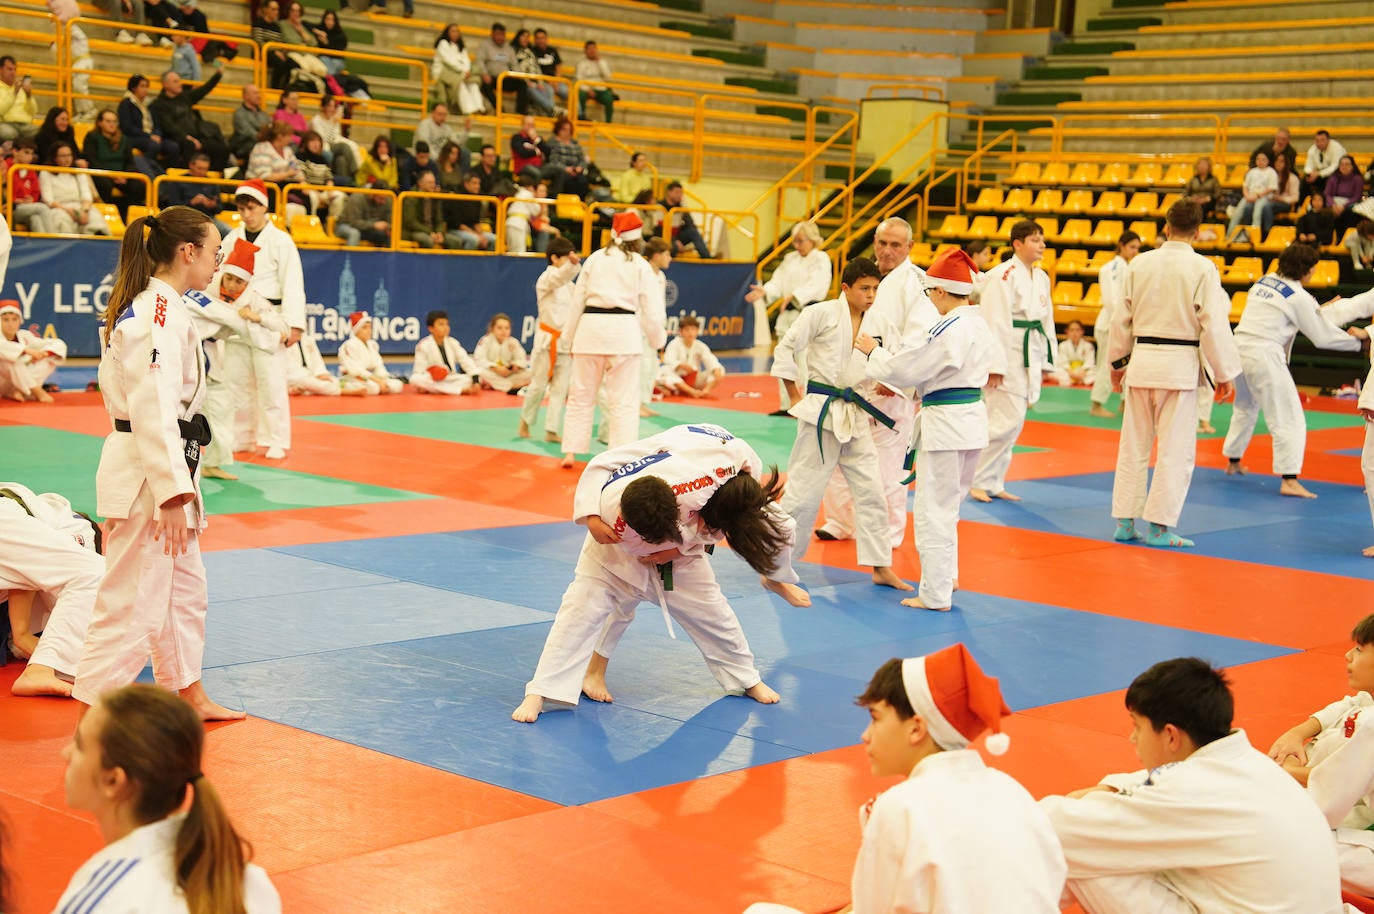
[(1032, 327), (848, 395), (949, 396)]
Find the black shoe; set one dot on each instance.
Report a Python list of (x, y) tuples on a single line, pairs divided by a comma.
[(822, 534)]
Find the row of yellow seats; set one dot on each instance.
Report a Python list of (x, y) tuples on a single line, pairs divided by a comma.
[(1073, 303), (1117, 174), (1073, 231), (1061, 203)]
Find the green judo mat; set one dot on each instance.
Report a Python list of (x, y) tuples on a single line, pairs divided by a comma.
[(47, 460), (1069, 406)]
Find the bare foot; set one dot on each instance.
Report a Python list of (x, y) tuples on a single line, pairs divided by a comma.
[(886, 577), (1101, 411), (789, 592), (915, 603), (524, 429), (40, 680), (1368, 552), (24, 645), (568, 461), (979, 495), (195, 696), (1233, 468), (529, 709), (17, 397), (217, 473), (1007, 496), (1295, 489), (594, 680), (763, 695), (553, 437), (1206, 428), (41, 395), (646, 413), (956, 585)]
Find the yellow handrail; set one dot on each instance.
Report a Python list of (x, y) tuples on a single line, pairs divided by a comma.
[(1062, 121), (398, 214), (595, 130), (263, 70), (729, 217), (501, 112), (62, 169), (155, 201), (928, 91), (287, 188)]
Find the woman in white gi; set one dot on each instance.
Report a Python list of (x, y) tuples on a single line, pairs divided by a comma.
[(615, 308), (552, 359), (803, 277), (1111, 281), (501, 361), (1277, 309), (1016, 305), (153, 599), (360, 360), (442, 365), (948, 372), (264, 418), (131, 763), (26, 359)]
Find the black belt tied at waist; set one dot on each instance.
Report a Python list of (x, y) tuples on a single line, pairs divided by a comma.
[(1155, 341), (275, 302), (600, 310), (195, 429)]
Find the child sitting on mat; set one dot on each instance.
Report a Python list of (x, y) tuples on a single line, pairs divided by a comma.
[(360, 361), (689, 367), (442, 365), (501, 361)]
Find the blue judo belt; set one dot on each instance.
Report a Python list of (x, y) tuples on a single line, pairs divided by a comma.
[(1032, 327), (848, 395), (949, 396)]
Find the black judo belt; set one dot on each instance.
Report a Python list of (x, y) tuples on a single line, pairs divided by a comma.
[(195, 434), (1125, 360), (594, 309)]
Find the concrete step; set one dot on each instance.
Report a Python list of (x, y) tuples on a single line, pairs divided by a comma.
[(1204, 13), (1242, 60)]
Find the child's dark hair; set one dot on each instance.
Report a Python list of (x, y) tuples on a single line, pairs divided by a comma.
[(558, 247), (650, 509), (1363, 633), (974, 247), (739, 510), (1026, 228), (1297, 260), (1184, 217), (887, 685), (860, 268), (1188, 693), (433, 317), (1126, 238), (688, 320), (1071, 324), (498, 316)]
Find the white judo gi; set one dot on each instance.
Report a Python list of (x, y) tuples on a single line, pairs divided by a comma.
[(804, 279), (490, 354), (1071, 358), (900, 316), (1341, 782), (138, 873), (452, 357), (264, 419), (1111, 282), (701, 361), (1367, 454), (1225, 831), (21, 370), (610, 581), (1174, 313), (308, 373), (617, 305), (831, 430), (1276, 311), (1016, 304), (949, 371), (46, 548), (361, 363), (152, 374), (551, 361)]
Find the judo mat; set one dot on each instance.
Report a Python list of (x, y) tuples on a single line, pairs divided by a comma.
[(379, 598)]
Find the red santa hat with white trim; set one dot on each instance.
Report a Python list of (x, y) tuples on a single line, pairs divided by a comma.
[(241, 259), (954, 271), (10, 306), (255, 189), (956, 699), (356, 320), (627, 226)]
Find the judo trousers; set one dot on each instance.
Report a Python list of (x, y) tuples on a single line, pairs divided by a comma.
[(891, 444), (808, 470), (942, 482), (619, 374), (1006, 417), (1102, 380), (1266, 385), (1133, 894), (557, 390), (1171, 417)]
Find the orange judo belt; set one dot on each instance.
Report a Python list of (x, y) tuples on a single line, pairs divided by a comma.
[(553, 345)]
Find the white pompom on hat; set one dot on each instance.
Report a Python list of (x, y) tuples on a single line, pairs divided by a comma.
[(956, 699)]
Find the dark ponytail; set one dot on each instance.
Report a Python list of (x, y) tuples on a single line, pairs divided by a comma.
[(739, 509), (150, 242)]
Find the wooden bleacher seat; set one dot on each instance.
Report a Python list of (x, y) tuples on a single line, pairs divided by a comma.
[(1109, 203), (1142, 203), (1078, 201), (1047, 201), (955, 225), (1017, 200), (1083, 173), (1071, 261), (1279, 237), (1075, 231), (1243, 270), (1107, 231), (1025, 173), (989, 199), (983, 227)]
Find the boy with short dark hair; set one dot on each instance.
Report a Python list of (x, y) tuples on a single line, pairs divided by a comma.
[(442, 365), (689, 366)]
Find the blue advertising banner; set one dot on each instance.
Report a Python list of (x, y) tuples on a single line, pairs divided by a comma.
[(62, 287)]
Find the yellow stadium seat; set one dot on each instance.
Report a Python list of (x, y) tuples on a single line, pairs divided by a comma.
[(1048, 261), (1142, 203), (922, 254), (989, 199), (1164, 204), (1093, 297), (1078, 201), (1109, 203), (231, 218), (1213, 230), (1067, 294), (1099, 260), (112, 218), (1243, 270), (983, 227), (954, 226), (1328, 273), (308, 230), (278, 221), (1273, 266), (1049, 225), (1075, 231), (1279, 237), (1217, 260), (1238, 304), (570, 207), (1178, 175), (1071, 261), (1025, 173), (135, 212), (1054, 173), (1107, 232), (1047, 201), (1004, 230), (1147, 174), (1114, 173), (1017, 200), (1083, 173), (1147, 231)]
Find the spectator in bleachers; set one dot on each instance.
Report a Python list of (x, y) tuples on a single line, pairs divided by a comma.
[(342, 153), (1285, 200), (366, 217), (175, 111), (1343, 190), (1261, 183), (297, 30), (634, 180), (453, 169), (1280, 145), (566, 167), (422, 218), (332, 37), (537, 94), (204, 197), (185, 60), (468, 219), (249, 119), (126, 12), (17, 107), (29, 208), (57, 126), (289, 113), (495, 182), (140, 126), (593, 69), (1321, 160), (452, 70), (162, 14), (272, 160), (682, 232), (379, 164), (316, 171), (527, 148), (70, 198), (441, 128), (107, 148), (1316, 225), (266, 28), (495, 56), (1360, 243), (527, 221), (415, 166), (549, 60), (209, 48), (1203, 188)]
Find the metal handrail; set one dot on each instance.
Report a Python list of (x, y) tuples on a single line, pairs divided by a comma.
[(499, 116), (927, 90), (62, 169), (398, 214), (728, 216), (263, 74)]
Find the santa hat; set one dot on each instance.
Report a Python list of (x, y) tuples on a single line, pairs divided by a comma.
[(240, 260), (255, 189), (627, 226), (356, 320), (10, 305), (956, 699), (953, 271)]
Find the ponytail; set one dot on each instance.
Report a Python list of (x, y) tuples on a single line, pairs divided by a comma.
[(629, 248), (210, 855), (150, 242), (740, 510)]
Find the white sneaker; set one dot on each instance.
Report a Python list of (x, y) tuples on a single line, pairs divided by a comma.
[(143, 40), (165, 42), (124, 37), (275, 453)]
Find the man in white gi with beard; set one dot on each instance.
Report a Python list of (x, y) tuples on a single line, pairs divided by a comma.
[(900, 316), (832, 427), (649, 529), (955, 836), (1174, 311), (1210, 825), (50, 570), (1277, 308), (948, 369), (1016, 304), (278, 277)]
